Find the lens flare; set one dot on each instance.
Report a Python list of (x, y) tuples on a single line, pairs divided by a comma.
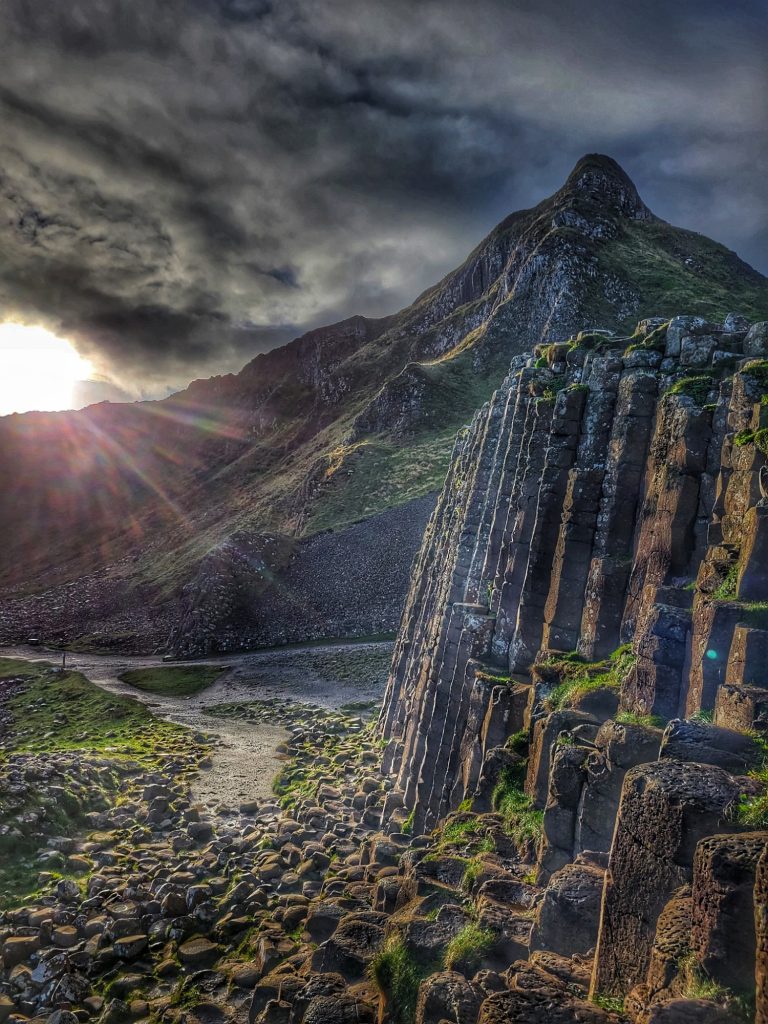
[(38, 370)]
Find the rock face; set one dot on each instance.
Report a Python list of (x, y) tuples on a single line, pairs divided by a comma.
[(205, 516), (591, 592), (599, 497), (665, 809)]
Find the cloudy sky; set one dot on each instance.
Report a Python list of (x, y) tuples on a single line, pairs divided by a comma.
[(187, 182)]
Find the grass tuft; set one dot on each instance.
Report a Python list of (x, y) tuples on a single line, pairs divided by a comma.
[(697, 387), (397, 976), (468, 948), (613, 1004), (649, 721), (407, 827), (727, 589), (522, 821)]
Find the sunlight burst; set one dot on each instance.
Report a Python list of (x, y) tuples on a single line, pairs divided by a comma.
[(38, 370)]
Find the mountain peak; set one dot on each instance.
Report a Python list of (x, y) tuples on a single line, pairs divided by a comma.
[(600, 180)]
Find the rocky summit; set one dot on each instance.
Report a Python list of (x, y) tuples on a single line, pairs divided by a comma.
[(560, 813), (287, 502)]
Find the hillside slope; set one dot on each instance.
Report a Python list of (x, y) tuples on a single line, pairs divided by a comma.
[(194, 515)]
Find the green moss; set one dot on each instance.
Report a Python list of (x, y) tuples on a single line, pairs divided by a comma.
[(468, 833), (553, 387), (703, 715), (580, 677), (614, 1004), (752, 811), (757, 437), (758, 371), (754, 613), (518, 742), (407, 826), (698, 985), (52, 712), (300, 778), (173, 681), (696, 387), (489, 677), (459, 830), (473, 871), (743, 437), (656, 341)]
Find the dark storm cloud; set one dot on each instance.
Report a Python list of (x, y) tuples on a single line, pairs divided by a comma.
[(186, 182)]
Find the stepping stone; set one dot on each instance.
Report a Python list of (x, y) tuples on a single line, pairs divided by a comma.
[(131, 946), (198, 952), (65, 936)]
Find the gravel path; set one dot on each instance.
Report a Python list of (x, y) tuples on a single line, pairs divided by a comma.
[(244, 761)]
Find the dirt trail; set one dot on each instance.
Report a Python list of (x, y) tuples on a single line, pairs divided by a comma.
[(244, 761)]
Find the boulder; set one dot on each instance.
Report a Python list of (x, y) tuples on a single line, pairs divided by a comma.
[(537, 997), (568, 918), (686, 740), (756, 341), (677, 329), (687, 1011), (341, 1008), (666, 809), (323, 920), (671, 945), (352, 946), (723, 908), (426, 939), (447, 996)]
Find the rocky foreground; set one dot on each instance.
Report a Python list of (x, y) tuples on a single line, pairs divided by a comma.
[(161, 912), (302, 909)]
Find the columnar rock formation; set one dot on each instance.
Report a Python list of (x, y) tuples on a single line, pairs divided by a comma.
[(594, 583)]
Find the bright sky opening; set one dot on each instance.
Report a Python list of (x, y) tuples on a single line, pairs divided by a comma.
[(38, 370)]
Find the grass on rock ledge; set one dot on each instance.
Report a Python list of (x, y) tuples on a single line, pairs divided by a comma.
[(579, 677), (174, 680)]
